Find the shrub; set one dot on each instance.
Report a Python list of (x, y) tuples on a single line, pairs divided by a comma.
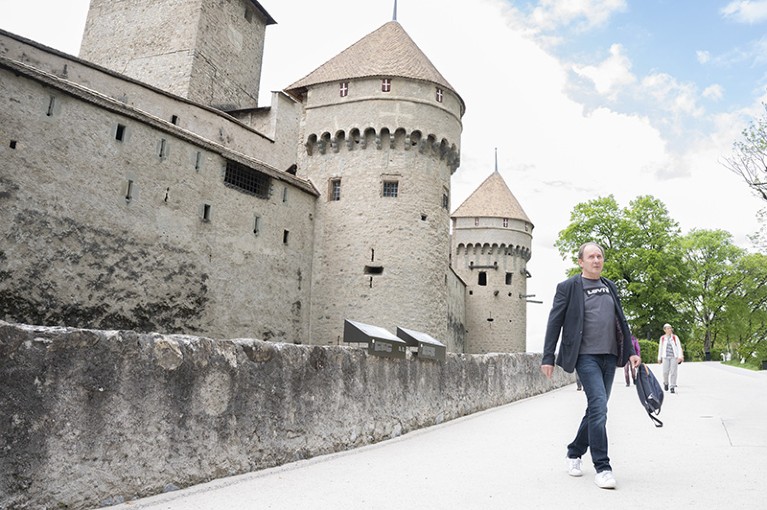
[(649, 351)]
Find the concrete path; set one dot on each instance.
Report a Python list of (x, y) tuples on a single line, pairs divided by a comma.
[(710, 454)]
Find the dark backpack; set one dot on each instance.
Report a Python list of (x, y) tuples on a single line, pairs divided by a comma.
[(649, 391)]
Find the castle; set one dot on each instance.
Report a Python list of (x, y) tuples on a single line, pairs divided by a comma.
[(142, 187)]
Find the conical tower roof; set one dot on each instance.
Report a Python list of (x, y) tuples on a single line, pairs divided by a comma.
[(388, 52), (492, 199)]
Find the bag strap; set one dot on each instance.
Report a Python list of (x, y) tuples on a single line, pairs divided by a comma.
[(655, 420)]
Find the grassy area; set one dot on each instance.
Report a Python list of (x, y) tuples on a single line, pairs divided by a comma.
[(751, 365)]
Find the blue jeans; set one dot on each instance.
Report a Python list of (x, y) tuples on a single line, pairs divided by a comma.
[(596, 372)]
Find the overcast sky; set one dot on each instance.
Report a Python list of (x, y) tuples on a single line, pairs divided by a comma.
[(582, 98)]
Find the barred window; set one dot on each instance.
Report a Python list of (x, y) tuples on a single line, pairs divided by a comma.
[(335, 190), (439, 95), (386, 85), (343, 88), (390, 188), (247, 179)]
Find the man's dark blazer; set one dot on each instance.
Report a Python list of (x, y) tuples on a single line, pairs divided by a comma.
[(567, 316)]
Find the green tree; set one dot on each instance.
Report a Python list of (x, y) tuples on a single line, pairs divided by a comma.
[(711, 259), (749, 156), (746, 313), (642, 256)]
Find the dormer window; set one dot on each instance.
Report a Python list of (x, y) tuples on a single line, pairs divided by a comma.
[(386, 85), (343, 88), (439, 95)]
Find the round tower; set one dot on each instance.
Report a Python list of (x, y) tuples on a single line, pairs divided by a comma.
[(381, 133), (492, 237)]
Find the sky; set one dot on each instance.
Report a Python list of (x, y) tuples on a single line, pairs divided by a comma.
[(581, 98)]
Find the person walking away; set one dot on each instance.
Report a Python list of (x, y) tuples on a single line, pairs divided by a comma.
[(670, 355), (628, 371), (595, 340)]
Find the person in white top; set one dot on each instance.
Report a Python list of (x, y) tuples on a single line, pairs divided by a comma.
[(670, 355)]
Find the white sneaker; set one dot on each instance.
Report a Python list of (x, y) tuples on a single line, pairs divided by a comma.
[(574, 467), (605, 480)]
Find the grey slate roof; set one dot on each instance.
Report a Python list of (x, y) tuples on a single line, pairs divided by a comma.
[(388, 52), (492, 199)]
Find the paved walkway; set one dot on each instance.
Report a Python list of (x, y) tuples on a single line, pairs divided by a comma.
[(711, 454)]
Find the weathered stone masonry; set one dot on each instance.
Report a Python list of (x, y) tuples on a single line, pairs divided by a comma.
[(97, 417)]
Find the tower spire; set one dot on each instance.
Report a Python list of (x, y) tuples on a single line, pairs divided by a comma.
[(496, 159), (394, 15)]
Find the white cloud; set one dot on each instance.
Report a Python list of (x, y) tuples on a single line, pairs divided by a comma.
[(610, 75), (703, 56), (671, 95), (746, 11), (714, 92), (583, 14)]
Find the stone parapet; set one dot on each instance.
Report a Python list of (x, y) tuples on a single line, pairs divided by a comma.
[(99, 417)]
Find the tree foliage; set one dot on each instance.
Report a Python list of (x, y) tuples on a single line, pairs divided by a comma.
[(641, 256), (749, 156), (713, 292)]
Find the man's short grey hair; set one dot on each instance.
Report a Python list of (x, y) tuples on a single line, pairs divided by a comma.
[(583, 248)]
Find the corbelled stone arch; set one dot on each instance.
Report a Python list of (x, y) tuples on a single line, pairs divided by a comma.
[(338, 139), (368, 138), (324, 142), (354, 138), (460, 247), (400, 139), (414, 139), (311, 143)]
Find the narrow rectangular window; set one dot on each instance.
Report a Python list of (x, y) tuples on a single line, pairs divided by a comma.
[(13, 144), (506, 223), (343, 88), (482, 280), (198, 161), (129, 190), (248, 14), (335, 190), (163, 148), (445, 201), (256, 225), (386, 85), (508, 278), (120, 133), (285, 194), (439, 95), (476, 222), (205, 212), (51, 105), (285, 236), (390, 188), (174, 120)]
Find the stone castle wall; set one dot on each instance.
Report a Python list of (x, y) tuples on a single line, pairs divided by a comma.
[(131, 225), (207, 51), (99, 417)]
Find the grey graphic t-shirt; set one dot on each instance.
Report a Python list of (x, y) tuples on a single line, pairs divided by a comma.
[(599, 319)]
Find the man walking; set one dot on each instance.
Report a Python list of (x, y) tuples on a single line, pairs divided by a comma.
[(595, 340), (670, 354)]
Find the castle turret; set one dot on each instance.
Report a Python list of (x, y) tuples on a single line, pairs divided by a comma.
[(381, 131), (492, 236), (208, 51)]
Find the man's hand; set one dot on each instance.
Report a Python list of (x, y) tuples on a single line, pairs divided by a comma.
[(547, 370), (635, 360)]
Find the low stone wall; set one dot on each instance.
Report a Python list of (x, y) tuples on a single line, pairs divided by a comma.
[(92, 418)]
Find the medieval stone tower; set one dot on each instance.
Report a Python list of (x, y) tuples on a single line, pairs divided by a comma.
[(380, 134), (491, 241), (207, 51)]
